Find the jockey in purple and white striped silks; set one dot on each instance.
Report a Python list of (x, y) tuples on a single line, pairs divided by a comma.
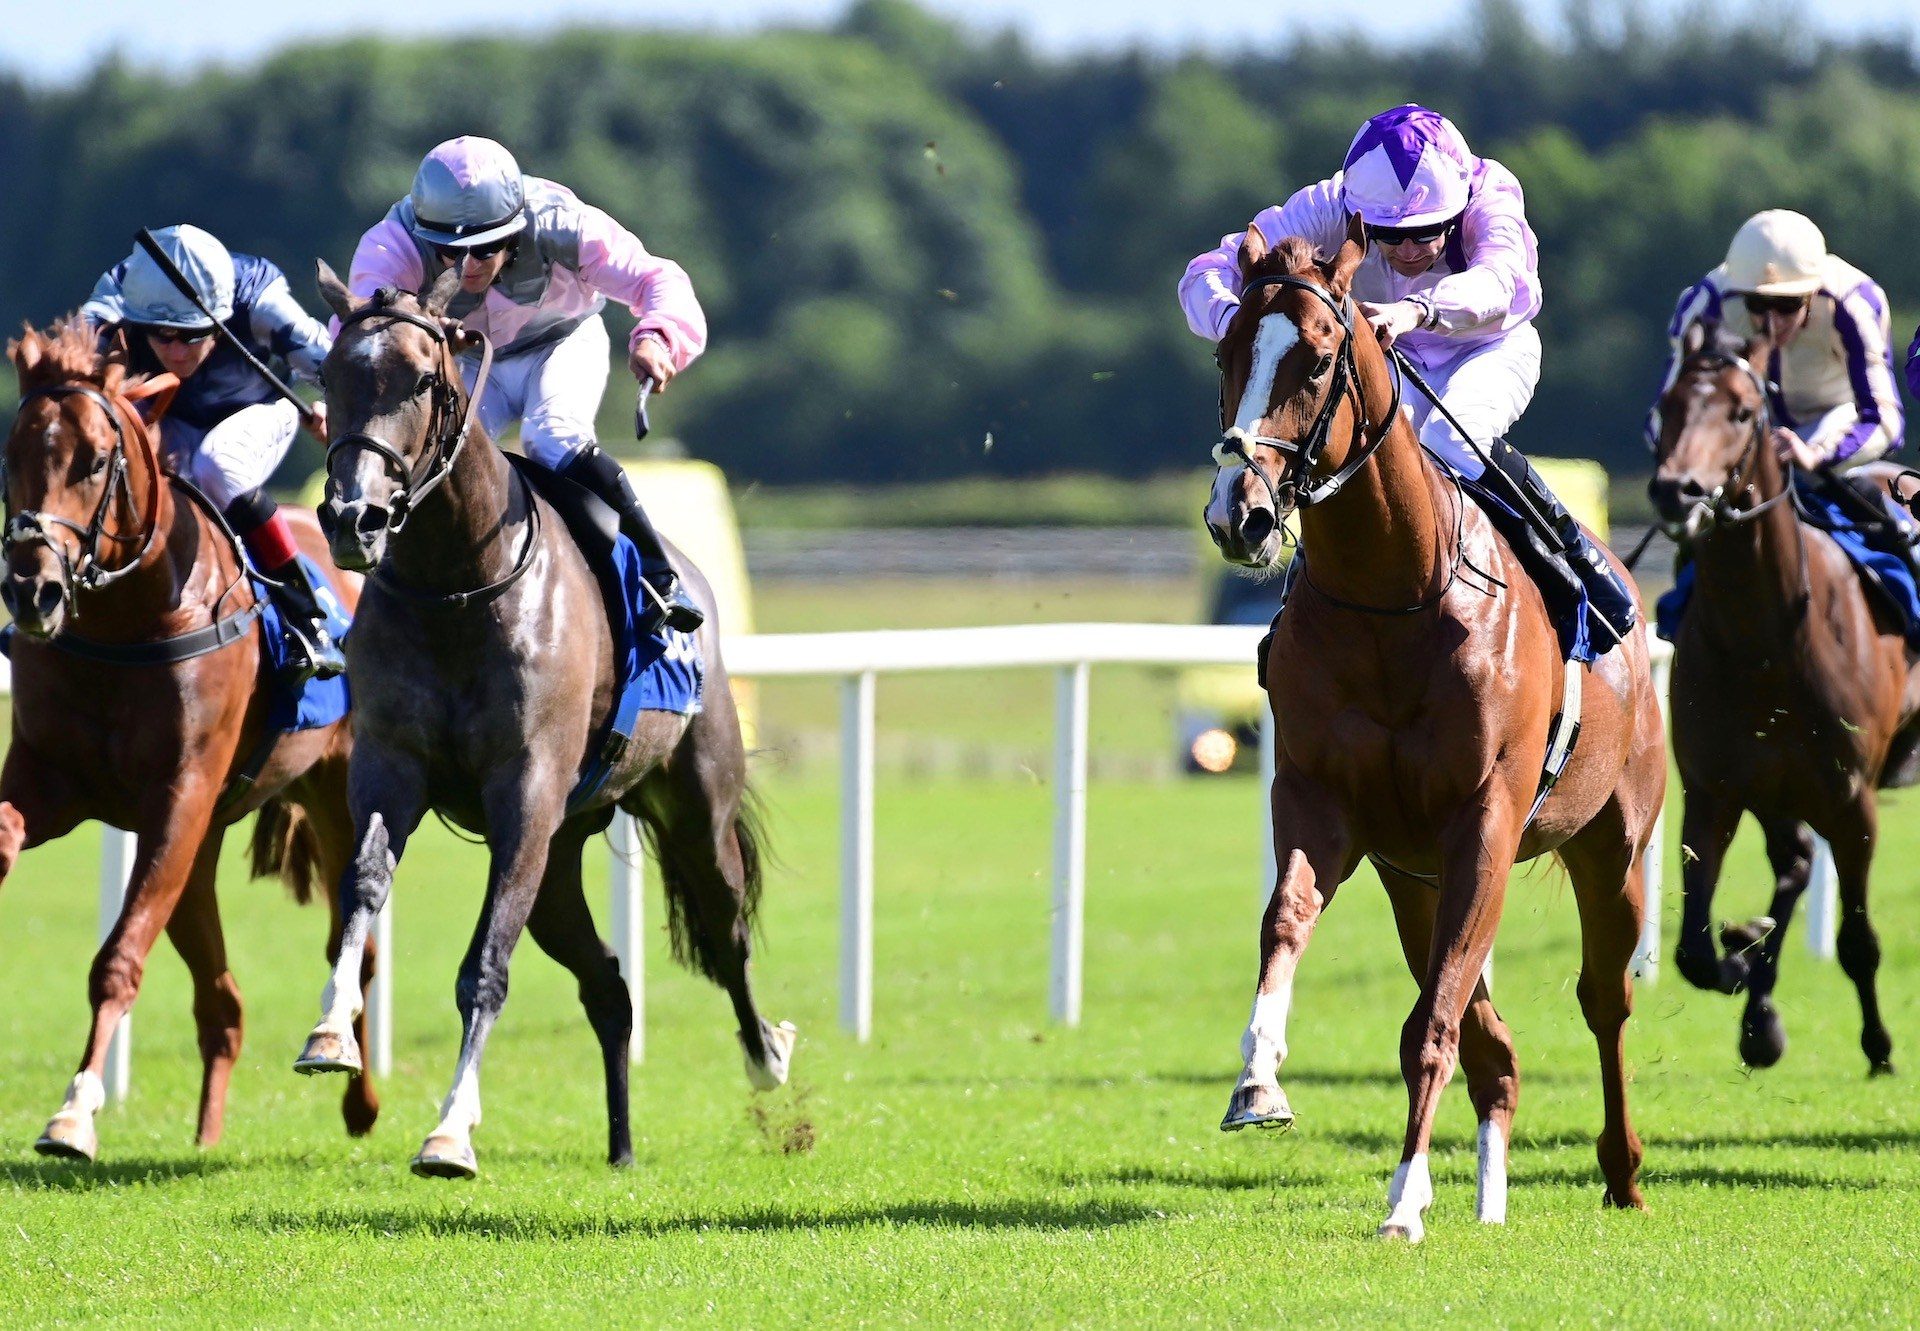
[(1831, 374)]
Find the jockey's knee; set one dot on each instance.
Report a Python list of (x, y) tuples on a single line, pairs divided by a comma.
[(554, 440)]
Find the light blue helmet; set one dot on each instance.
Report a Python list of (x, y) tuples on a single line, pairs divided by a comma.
[(468, 192), (148, 296)]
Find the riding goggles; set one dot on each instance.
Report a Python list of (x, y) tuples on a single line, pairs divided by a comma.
[(169, 336), (1758, 305), (1400, 235), (457, 253)]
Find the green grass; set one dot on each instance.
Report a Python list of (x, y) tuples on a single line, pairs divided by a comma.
[(973, 1165)]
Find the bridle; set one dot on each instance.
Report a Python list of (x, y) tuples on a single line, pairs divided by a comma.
[(1306, 450), (448, 412), (1720, 505), (33, 527)]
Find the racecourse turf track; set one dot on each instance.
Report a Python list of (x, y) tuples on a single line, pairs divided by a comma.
[(973, 1164)]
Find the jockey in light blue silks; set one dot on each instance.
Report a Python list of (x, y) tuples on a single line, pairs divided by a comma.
[(227, 428), (1831, 383), (1451, 278)]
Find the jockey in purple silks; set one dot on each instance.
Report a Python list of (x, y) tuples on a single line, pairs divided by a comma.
[(1451, 278), (1830, 381), (537, 266)]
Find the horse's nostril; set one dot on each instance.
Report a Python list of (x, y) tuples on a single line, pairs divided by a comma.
[(9, 598), (327, 514), (46, 599), (369, 519), (1256, 527)]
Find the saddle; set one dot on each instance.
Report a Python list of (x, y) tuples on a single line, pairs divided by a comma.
[(594, 526)]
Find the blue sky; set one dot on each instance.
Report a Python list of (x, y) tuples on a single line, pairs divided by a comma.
[(54, 48)]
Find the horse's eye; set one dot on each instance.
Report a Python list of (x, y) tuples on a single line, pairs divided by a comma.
[(1741, 415), (1321, 366), (99, 465)]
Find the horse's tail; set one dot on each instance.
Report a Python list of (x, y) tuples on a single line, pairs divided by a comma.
[(695, 946), (285, 843)]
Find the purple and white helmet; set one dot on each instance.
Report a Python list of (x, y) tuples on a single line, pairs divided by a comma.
[(468, 192), (1408, 167)]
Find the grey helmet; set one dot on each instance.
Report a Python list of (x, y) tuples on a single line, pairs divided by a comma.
[(468, 192), (148, 296)]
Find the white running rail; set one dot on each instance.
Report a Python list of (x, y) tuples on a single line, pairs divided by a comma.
[(857, 660)]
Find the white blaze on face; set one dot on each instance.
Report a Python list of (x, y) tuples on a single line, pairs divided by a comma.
[(1274, 338)]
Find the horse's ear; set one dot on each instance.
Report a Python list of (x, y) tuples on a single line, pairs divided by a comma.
[(1347, 261), (1253, 251), (333, 291), (1693, 339), (437, 297), (113, 374), (26, 352)]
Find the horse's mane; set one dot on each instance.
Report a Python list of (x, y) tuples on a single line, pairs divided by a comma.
[(67, 349), (1293, 256)]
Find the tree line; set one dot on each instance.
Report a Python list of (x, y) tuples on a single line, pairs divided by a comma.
[(929, 252)]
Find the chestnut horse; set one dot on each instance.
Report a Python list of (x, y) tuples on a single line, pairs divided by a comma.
[(1414, 676), (484, 669), (1791, 689), (138, 701)]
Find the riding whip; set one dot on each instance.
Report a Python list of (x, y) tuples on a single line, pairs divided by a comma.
[(1492, 476), (145, 239), (640, 423)]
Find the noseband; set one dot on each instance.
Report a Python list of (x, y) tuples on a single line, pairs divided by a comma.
[(34, 527), (447, 419), (1236, 442)]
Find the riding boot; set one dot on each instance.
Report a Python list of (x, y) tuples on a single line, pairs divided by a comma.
[(1576, 556), (671, 606), (256, 519), (1884, 522), (315, 654)]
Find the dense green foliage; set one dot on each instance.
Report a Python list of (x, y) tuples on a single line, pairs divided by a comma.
[(927, 252)]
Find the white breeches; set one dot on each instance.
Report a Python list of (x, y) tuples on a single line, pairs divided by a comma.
[(554, 392), (1485, 386), (238, 454)]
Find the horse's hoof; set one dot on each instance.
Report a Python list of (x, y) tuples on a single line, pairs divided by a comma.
[(779, 1041), (359, 1109), (1881, 1070), (1257, 1106), (68, 1138), (1708, 971), (329, 1051), (1763, 1039), (1396, 1231), (445, 1157), (1630, 1200)]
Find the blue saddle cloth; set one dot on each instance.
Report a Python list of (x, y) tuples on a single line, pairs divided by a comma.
[(1571, 622), (1885, 575), (662, 671), (320, 702)]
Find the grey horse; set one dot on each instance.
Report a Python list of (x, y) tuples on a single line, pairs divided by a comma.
[(482, 667)]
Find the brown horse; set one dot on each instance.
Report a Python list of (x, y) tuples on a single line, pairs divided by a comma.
[(1791, 689), (1414, 675), (155, 719)]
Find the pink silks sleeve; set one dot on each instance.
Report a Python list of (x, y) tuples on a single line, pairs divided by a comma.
[(658, 291), (1210, 288)]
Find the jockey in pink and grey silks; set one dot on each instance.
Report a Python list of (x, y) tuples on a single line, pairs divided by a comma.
[(538, 265), (1451, 278)]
